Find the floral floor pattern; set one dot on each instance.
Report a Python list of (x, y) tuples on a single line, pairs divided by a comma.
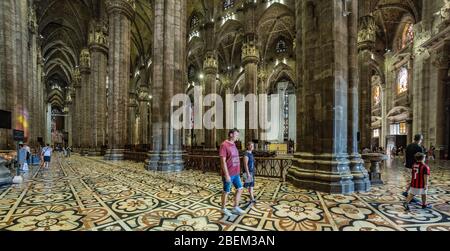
[(89, 194)]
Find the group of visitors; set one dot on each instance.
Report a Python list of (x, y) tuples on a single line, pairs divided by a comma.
[(231, 172), (24, 157)]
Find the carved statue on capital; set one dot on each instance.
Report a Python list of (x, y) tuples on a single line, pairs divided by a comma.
[(250, 52), (210, 64), (98, 34), (445, 13), (85, 58), (367, 32), (76, 75)]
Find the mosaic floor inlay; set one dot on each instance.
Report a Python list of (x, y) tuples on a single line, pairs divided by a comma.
[(91, 194)]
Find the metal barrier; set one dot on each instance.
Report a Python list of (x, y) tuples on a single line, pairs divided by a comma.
[(265, 167)]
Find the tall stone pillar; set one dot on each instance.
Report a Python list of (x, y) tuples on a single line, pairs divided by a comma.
[(250, 59), (76, 114), (33, 83), (365, 36), (85, 101), (120, 13), (144, 112), (99, 63), (169, 75), (263, 108), (441, 62), (8, 78), (132, 115), (366, 44), (210, 68), (322, 161)]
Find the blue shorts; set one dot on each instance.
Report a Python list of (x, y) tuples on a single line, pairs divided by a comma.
[(252, 183), (235, 180), (46, 158)]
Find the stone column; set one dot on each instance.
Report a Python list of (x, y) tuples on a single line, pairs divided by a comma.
[(210, 68), (366, 44), (120, 13), (132, 115), (250, 59), (144, 105), (169, 75), (85, 101), (76, 122), (441, 62), (322, 161), (8, 78), (99, 63), (263, 107), (365, 36), (32, 90)]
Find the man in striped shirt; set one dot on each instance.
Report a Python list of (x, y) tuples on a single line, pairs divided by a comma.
[(419, 181)]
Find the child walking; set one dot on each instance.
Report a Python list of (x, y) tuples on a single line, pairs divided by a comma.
[(249, 175), (419, 181)]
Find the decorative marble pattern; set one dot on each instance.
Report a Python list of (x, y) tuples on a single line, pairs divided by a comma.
[(89, 194)]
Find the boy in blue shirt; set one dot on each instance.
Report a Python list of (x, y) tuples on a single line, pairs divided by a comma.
[(249, 175)]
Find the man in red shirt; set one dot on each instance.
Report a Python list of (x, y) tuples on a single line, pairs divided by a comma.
[(231, 172), (419, 181)]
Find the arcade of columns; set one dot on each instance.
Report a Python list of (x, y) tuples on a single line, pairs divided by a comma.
[(334, 50)]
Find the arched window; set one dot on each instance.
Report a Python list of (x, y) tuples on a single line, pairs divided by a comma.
[(227, 4), (281, 46), (376, 95), (402, 80), (407, 36), (194, 21)]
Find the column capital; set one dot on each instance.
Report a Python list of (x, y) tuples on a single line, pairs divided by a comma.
[(98, 37), (125, 7), (210, 64), (85, 61), (250, 53), (76, 76), (367, 32)]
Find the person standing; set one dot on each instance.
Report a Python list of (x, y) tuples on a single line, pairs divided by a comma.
[(27, 148), (22, 158), (419, 181), (249, 165), (230, 171), (47, 153), (410, 159)]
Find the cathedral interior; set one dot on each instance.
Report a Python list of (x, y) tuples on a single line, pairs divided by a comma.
[(356, 81)]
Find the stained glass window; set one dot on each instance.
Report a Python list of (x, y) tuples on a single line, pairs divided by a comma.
[(194, 21), (286, 117), (376, 95), (281, 46), (228, 4), (407, 36), (402, 80)]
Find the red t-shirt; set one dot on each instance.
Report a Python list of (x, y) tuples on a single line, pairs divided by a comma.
[(229, 151), (419, 171)]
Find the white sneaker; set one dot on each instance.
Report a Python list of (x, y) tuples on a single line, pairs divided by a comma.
[(226, 212), (239, 211)]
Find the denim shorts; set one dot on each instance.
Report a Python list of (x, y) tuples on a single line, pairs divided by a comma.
[(235, 181), (46, 158)]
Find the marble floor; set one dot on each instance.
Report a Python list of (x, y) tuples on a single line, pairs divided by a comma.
[(89, 194)]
